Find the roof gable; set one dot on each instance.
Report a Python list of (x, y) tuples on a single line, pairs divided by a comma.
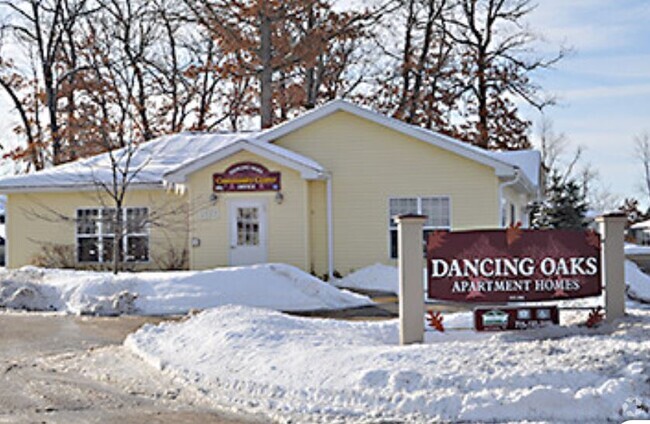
[(308, 168), (466, 150)]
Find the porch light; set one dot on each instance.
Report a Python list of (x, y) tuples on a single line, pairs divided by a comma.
[(214, 198), (279, 197)]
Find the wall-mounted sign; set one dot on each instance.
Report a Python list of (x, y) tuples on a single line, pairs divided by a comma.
[(246, 176), (497, 319), (513, 265)]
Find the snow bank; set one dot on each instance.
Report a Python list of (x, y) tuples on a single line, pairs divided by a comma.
[(317, 370), (274, 286), (377, 277), (638, 283), (635, 249)]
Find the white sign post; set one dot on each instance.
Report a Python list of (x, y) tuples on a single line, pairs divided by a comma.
[(612, 232), (411, 284)]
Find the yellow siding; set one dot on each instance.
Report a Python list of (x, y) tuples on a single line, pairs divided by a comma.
[(370, 164), (318, 227), (36, 219), (288, 234), (511, 196)]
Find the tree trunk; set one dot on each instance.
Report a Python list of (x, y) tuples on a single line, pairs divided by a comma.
[(419, 75), (266, 74), (483, 135), (406, 60), (117, 240)]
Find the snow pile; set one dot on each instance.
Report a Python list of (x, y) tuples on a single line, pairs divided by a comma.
[(276, 286), (377, 277), (317, 370), (638, 283), (635, 249)]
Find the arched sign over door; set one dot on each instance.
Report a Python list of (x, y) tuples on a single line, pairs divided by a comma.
[(246, 177)]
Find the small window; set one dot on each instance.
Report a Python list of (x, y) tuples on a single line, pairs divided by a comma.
[(437, 210), (96, 234), (88, 249)]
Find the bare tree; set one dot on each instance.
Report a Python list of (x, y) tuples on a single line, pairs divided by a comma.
[(419, 87), (275, 40), (557, 154), (642, 150), (495, 49), (46, 30)]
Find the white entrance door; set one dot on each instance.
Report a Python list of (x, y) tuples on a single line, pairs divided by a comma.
[(247, 232)]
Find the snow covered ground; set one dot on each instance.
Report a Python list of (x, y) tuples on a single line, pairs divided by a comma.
[(638, 283), (635, 249), (317, 370), (377, 277), (275, 286)]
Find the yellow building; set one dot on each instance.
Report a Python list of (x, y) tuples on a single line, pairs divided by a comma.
[(317, 192)]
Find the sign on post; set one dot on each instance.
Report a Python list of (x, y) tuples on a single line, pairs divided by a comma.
[(515, 265)]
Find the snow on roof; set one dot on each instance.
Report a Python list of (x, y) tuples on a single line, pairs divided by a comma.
[(155, 158), (641, 225), (152, 161), (529, 161)]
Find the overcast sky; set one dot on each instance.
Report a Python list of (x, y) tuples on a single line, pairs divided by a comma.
[(603, 87)]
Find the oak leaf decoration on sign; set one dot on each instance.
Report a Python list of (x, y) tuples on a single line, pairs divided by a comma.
[(513, 233), (436, 240), (596, 317), (435, 321)]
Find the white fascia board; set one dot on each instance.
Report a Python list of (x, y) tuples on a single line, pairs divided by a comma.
[(74, 187), (524, 184), (179, 175), (501, 168)]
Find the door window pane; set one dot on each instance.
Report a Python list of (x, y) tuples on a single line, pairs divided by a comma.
[(248, 228)]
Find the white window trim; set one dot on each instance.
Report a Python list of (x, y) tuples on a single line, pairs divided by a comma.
[(419, 211), (100, 235)]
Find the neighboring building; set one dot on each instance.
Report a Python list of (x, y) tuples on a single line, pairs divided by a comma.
[(317, 192), (639, 233)]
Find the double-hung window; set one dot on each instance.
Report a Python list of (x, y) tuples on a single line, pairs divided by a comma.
[(96, 235), (436, 209)]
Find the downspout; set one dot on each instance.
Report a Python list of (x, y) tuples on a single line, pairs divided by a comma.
[(503, 185), (330, 230)]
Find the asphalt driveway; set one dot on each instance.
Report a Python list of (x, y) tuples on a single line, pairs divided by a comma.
[(66, 369)]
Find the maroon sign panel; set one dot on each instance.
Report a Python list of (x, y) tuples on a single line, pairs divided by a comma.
[(513, 265), (497, 319), (246, 176)]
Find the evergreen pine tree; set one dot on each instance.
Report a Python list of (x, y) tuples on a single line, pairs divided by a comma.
[(565, 205)]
